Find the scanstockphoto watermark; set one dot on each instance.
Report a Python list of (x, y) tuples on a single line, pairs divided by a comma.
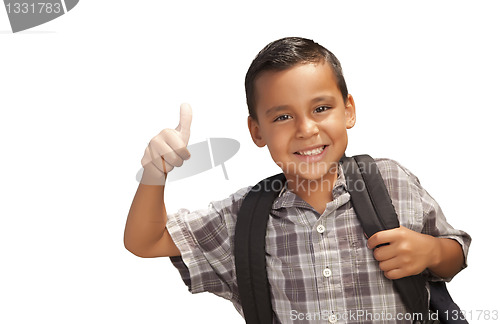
[(325, 182), (354, 315)]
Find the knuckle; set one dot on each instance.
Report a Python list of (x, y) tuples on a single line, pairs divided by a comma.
[(393, 275), (154, 140), (165, 132), (168, 133), (406, 248), (173, 159), (153, 147)]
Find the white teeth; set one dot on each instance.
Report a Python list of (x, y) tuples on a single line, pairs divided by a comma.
[(312, 152)]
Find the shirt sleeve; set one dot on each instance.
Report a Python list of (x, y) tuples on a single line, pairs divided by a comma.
[(205, 239), (433, 221), (435, 224)]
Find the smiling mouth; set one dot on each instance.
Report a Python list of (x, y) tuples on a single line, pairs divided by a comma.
[(312, 152)]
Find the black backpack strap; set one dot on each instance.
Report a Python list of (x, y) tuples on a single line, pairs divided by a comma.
[(250, 252), (375, 212), (441, 303)]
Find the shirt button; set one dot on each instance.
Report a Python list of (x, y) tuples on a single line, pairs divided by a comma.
[(327, 272), (320, 229), (332, 318)]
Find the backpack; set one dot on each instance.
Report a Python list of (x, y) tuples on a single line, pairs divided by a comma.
[(374, 209)]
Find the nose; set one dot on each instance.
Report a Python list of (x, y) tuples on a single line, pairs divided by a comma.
[(306, 127)]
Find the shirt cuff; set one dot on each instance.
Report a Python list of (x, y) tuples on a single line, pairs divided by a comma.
[(186, 244)]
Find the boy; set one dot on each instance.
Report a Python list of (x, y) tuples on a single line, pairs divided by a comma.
[(321, 268)]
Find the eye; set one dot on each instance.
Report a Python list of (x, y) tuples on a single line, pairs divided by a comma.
[(322, 109), (282, 117)]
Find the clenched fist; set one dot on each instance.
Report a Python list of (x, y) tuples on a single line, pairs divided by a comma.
[(167, 150)]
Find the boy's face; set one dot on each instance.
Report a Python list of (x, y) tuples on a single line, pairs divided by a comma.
[(303, 120)]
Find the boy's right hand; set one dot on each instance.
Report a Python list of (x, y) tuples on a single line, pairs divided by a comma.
[(167, 150)]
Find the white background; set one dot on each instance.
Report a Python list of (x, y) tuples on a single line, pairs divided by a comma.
[(81, 97)]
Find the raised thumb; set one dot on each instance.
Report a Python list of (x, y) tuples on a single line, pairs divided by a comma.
[(185, 122)]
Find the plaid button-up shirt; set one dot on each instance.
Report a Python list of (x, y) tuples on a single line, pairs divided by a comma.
[(319, 267)]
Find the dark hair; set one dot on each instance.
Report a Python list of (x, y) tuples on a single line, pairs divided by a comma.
[(284, 54)]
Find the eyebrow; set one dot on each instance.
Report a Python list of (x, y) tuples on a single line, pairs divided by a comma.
[(315, 100), (324, 98), (276, 109)]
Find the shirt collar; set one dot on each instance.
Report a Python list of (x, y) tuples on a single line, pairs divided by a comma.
[(287, 198)]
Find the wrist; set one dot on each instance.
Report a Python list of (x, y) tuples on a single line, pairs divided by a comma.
[(153, 177), (436, 253)]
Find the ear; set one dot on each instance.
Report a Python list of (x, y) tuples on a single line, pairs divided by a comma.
[(350, 112), (254, 128)]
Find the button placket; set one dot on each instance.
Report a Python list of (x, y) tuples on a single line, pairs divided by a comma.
[(324, 262)]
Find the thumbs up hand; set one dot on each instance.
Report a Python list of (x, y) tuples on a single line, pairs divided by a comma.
[(167, 150)]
